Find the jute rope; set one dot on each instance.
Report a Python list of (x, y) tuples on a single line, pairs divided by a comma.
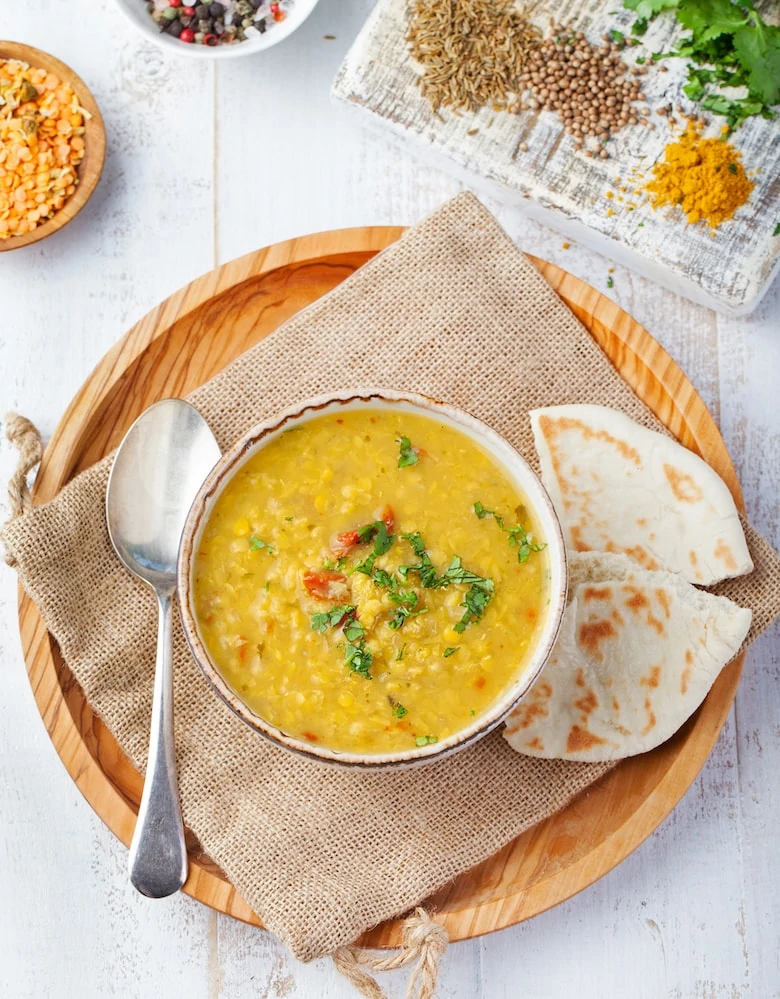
[(423, 941), (26, 439)]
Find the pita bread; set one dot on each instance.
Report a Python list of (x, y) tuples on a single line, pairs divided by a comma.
[(637, 653), (619, 487)]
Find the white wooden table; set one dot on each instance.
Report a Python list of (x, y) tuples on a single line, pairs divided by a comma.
[(207, 163)]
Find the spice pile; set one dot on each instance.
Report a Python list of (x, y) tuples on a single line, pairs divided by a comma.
[(41, 145), (705, 177), (216, 23), (472, 51), (589, 87)]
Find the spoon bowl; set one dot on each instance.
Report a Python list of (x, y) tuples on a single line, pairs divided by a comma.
[(158, 469)]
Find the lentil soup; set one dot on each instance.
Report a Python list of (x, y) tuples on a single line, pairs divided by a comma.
[(371, 580)]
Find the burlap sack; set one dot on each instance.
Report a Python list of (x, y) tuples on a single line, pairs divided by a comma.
[(453, 310)]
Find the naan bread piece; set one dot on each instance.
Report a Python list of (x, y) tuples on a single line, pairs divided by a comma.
[(619, 487), (636, 655)]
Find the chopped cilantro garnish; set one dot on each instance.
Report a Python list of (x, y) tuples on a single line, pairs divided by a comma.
[(358, 657), (776, 230), (257, 545), (481, 589), (610, 281), (290, 518), (338, 565), (333, 618), (450, 652), (518, 537), (400, 654), (399, 710), (425, 740), (408, 455), (472, 712), (617, 36), (476, 600)]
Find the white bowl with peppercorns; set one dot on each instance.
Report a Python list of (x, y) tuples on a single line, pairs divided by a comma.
[(224, 30)]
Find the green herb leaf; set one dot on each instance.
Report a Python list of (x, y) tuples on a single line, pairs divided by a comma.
[(257, 544), (617, 36), (399, 710), (290, 518), (400, 654), (732, 168), (776, 231), (334, 617), (408, 455), (610, 282), (425, 740), (450, 652), (359, 659)]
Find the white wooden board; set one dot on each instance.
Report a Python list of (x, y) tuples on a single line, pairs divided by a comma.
[(557, 185)]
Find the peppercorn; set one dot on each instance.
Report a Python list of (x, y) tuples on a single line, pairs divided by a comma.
[(205, 25), (187, 35), (210, 39), (174, 3), (202, 10), (216, 9), (188, 11), (261, 26), (175, 28), (170, 14)]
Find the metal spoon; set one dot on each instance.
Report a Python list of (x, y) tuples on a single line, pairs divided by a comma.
[(158, 469)]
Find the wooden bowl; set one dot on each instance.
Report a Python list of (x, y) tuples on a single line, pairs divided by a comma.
[(90, 168)]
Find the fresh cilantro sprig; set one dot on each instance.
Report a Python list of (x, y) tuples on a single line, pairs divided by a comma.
[(518, 537), (730, 45), (407, 454)]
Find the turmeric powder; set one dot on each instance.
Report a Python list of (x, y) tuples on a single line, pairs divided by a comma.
[(704, 176)]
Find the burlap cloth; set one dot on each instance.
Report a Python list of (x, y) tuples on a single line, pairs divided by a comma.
[(453, 310)]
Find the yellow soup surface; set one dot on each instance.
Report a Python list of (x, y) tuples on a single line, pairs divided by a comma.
[(370, 581)]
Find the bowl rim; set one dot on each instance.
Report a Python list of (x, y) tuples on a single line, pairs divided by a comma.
[(252, 442), (94, 137), (233, 51)]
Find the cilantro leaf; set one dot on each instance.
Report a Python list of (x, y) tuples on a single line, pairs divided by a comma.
[(776, 231), (359, 659), (425, 740), (450, 652), (759, 51), (649, 8), (408, 455), (333, 618), (257, 544), (399, 711)]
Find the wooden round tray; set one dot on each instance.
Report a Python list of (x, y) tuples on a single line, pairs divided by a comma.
[(186, 340)]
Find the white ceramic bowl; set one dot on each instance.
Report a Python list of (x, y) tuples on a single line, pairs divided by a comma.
[(135, 11), (512, 463)]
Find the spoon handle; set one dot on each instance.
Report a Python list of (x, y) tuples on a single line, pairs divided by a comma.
[(158, 855)]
